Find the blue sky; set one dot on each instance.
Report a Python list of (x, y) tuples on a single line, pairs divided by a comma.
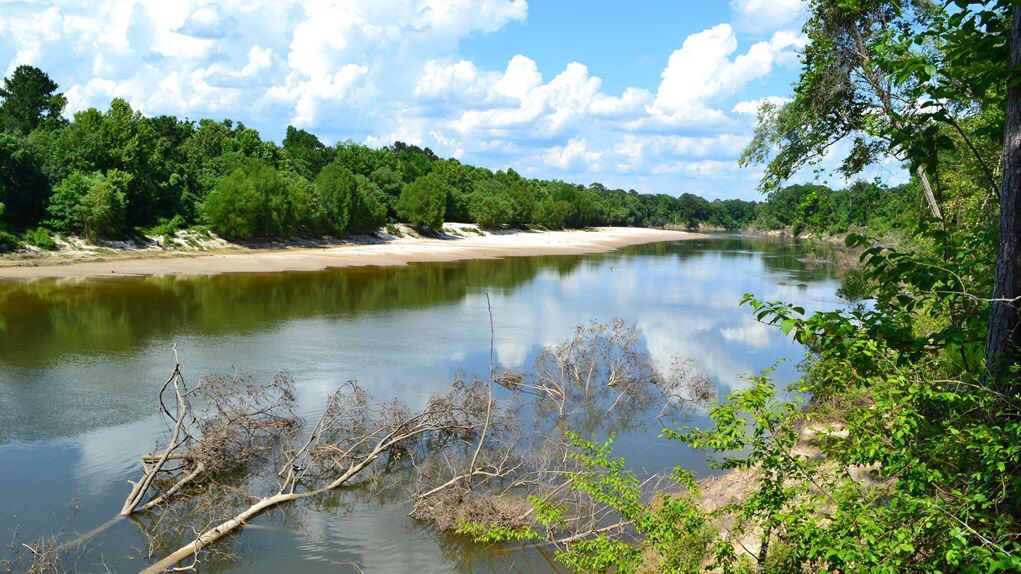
[(655, 96)]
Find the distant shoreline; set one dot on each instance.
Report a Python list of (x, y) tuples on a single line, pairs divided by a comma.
[(386, 252)]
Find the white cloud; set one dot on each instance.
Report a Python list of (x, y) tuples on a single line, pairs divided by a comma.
[(207, 22), (704, 169), (543, 109), (751, 107), (631, 103), (303, 59), (701, 72), (460, 80), (521, 77), (573, 155), (767, 15)]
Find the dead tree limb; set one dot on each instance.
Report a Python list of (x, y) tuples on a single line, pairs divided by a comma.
[(345, 441)]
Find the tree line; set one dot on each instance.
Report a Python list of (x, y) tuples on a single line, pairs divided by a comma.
[(118, 173)]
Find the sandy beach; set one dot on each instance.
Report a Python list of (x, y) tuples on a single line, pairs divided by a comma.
[(395, 251)]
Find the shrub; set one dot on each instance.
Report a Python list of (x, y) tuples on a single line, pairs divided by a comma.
[(92, 204), (166, 227), (423, 203), (40, 238), (256, 201), (490, 210), (233, 207), (552, 214), (367, 211)]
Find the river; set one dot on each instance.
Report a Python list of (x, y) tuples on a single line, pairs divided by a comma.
[(81, 362)]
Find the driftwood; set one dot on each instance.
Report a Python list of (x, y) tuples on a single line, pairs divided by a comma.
[(352, 433), (236, 423)]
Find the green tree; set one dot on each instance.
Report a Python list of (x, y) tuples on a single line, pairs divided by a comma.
[(30, 101), (233, 208), (457, 179), (104, 206), (63, 206), (308, 154), (390, 184), (491, 210), (364, 160), (254, 201), (857, 86), (23, 187), (92, 204), (552, 213), (692, 209), (423, 203), (337, 190), (414, 161), (367, 211), (521, 195), (302, 202)]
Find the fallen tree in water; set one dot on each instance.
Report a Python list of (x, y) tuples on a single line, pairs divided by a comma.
[(235, 449), (542, 484), (237, 423), (352, 433)]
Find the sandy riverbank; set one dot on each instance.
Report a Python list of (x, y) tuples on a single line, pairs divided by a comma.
[(391, 251)]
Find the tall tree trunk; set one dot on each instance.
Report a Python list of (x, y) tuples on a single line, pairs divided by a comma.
[(930, 197), (1004, 337)]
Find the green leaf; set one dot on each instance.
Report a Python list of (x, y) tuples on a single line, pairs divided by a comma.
[(787, 325)]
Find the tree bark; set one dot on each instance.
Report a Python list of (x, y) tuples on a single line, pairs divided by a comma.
[(930, 197), (1004, 338)]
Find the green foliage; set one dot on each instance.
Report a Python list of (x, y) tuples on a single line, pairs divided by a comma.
[(256, 201), (63, 205), (916, 446), (390, 184), (29, 101), (673, 531), (102, 208), (233, 209), (7, 239), (23, 186), (166, 228), (307, 154), (349, 202), (552, 214), (521, 197), (415, 162), (457, 179), (336, 188), (368, 212), (423, 203), (91, 204), (692, 210), (490, 211)]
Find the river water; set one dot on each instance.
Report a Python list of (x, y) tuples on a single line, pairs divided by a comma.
[(81, 362)]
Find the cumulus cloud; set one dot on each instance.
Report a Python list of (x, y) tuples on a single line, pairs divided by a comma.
[(767, 15), (701, 72), (298, 58), (460, 81), (751, 107), (575, 154), (207, 22)]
